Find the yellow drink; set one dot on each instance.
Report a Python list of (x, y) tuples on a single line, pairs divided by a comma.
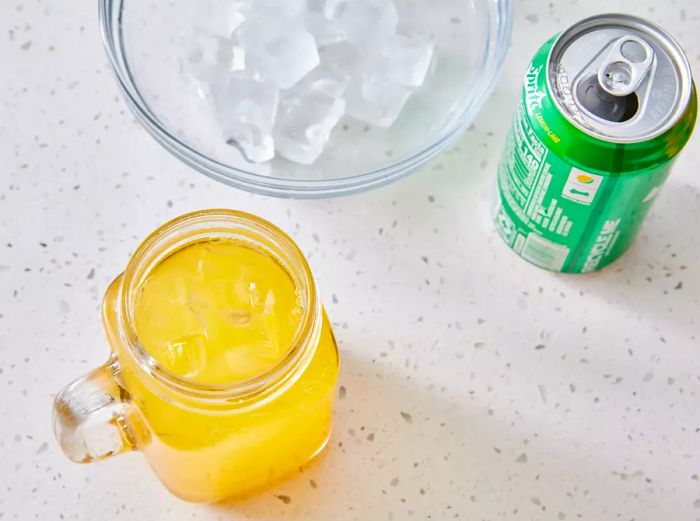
[(217, 312), (223, 365), (220, 314)]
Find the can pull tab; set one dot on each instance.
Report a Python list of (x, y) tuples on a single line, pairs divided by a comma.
[(625, 66)]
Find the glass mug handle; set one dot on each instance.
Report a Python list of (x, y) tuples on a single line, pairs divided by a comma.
[(91, 416)]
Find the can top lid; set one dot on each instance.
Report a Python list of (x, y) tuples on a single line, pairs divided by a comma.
[(619, 78)]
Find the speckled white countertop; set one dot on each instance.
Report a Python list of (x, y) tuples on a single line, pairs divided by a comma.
[(475, 385)]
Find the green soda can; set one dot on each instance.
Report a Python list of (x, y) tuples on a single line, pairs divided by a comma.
[(605, 108)]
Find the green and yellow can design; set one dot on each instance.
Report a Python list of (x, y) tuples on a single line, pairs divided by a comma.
[(572, 199)]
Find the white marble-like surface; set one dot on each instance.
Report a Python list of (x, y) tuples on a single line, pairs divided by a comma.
[(526, 395)]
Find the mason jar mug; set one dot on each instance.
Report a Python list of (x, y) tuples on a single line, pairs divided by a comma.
[(222, 365)]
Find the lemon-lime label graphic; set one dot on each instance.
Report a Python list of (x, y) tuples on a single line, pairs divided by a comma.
[(582, 187)]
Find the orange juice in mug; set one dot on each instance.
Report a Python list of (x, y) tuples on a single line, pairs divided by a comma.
[(223, 364)]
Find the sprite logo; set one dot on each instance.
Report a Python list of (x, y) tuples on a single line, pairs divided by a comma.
[(533, 96)]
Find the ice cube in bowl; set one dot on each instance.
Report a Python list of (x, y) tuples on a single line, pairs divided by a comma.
[(455, 47)]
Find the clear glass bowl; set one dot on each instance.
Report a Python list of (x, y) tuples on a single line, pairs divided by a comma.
[(471, 37)]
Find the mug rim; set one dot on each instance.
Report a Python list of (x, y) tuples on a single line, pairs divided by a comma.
[(301, 348)]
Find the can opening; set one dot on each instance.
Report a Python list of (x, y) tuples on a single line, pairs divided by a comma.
[(592, 97)]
